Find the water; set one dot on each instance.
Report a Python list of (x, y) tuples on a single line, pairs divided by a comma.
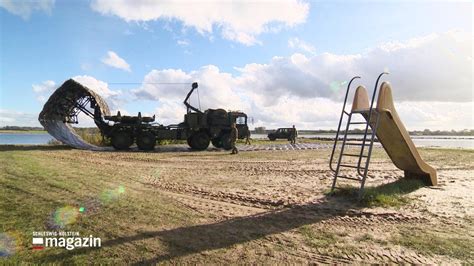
[(445, 141), (466, 142), (25, 138)]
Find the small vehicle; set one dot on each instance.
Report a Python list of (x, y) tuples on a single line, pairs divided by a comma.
[(281, 133)]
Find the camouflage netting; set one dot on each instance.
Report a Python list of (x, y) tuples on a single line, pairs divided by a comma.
[(60, 105)]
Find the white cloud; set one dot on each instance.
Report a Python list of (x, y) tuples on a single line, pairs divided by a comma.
[(431, 79), (41, 98), (43, 90), (14, 118), (183, 43), (435, 68), (296, 43), (24, 9), (98, 86), (45, 86), (112, 97), (436, 115), (116, 61), (240, 21), (170, 112), (86, 66), (169, 87)]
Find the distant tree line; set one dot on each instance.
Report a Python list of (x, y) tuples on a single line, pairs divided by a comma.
[(465, 132), (17, 128), (426, 132)]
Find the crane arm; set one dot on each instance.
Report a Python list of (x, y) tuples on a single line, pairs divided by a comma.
[(186, 100)]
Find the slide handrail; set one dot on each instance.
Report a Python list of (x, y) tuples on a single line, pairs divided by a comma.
[(340, 122), (368, 121)]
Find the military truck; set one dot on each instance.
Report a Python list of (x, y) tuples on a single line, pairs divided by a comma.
[(281, 133), (199, 128)]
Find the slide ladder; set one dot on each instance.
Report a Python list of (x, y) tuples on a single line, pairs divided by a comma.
[(361, 147)]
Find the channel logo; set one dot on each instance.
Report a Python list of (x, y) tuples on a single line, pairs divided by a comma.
[(38, 243), (67, 242)]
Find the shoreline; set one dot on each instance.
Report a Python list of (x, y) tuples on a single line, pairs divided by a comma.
[(14, 137), (23, 132), (7, 147)]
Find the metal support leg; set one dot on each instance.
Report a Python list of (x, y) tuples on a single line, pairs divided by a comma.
[(366, 168), (340, 155)]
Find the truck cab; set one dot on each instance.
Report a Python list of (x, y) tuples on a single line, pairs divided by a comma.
[(219, 126), (240, 120)]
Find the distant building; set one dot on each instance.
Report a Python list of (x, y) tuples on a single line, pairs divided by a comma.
[(260, 130)]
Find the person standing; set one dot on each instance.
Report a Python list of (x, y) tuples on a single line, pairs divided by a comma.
[(247, 137), (293, 135), (234, 134)]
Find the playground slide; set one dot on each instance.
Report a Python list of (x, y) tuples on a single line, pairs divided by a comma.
[(393, 136)]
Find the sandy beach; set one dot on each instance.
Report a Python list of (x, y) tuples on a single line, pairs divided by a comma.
[(263, 206)]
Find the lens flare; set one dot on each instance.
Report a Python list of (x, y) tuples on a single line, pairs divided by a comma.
[(65, 216), (8, 244), (110, 195), (90, 205), (335, 86), (68, 215)]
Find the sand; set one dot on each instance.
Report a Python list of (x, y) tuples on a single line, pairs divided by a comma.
[(272, 206)]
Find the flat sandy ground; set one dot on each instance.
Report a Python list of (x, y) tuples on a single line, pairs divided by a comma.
[(213, 207)]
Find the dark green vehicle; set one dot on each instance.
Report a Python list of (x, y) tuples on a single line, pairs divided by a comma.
[(199, 128), (281, 133)]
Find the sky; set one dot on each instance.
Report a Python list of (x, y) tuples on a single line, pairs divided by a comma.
[(281, 62)]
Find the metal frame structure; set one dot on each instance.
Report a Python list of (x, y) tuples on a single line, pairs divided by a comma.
[(362, 169), (81, 106)]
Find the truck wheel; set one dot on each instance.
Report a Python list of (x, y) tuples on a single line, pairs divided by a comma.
[(216, 142), (146, 141), (200, 141), (226, 142), (272, 138), (189, 140), (122, 140)]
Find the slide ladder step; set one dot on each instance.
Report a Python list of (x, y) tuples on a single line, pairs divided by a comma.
[(348, 177), (358, 133), (350, 166), (361, 111), (354, 155), (356, 144)]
